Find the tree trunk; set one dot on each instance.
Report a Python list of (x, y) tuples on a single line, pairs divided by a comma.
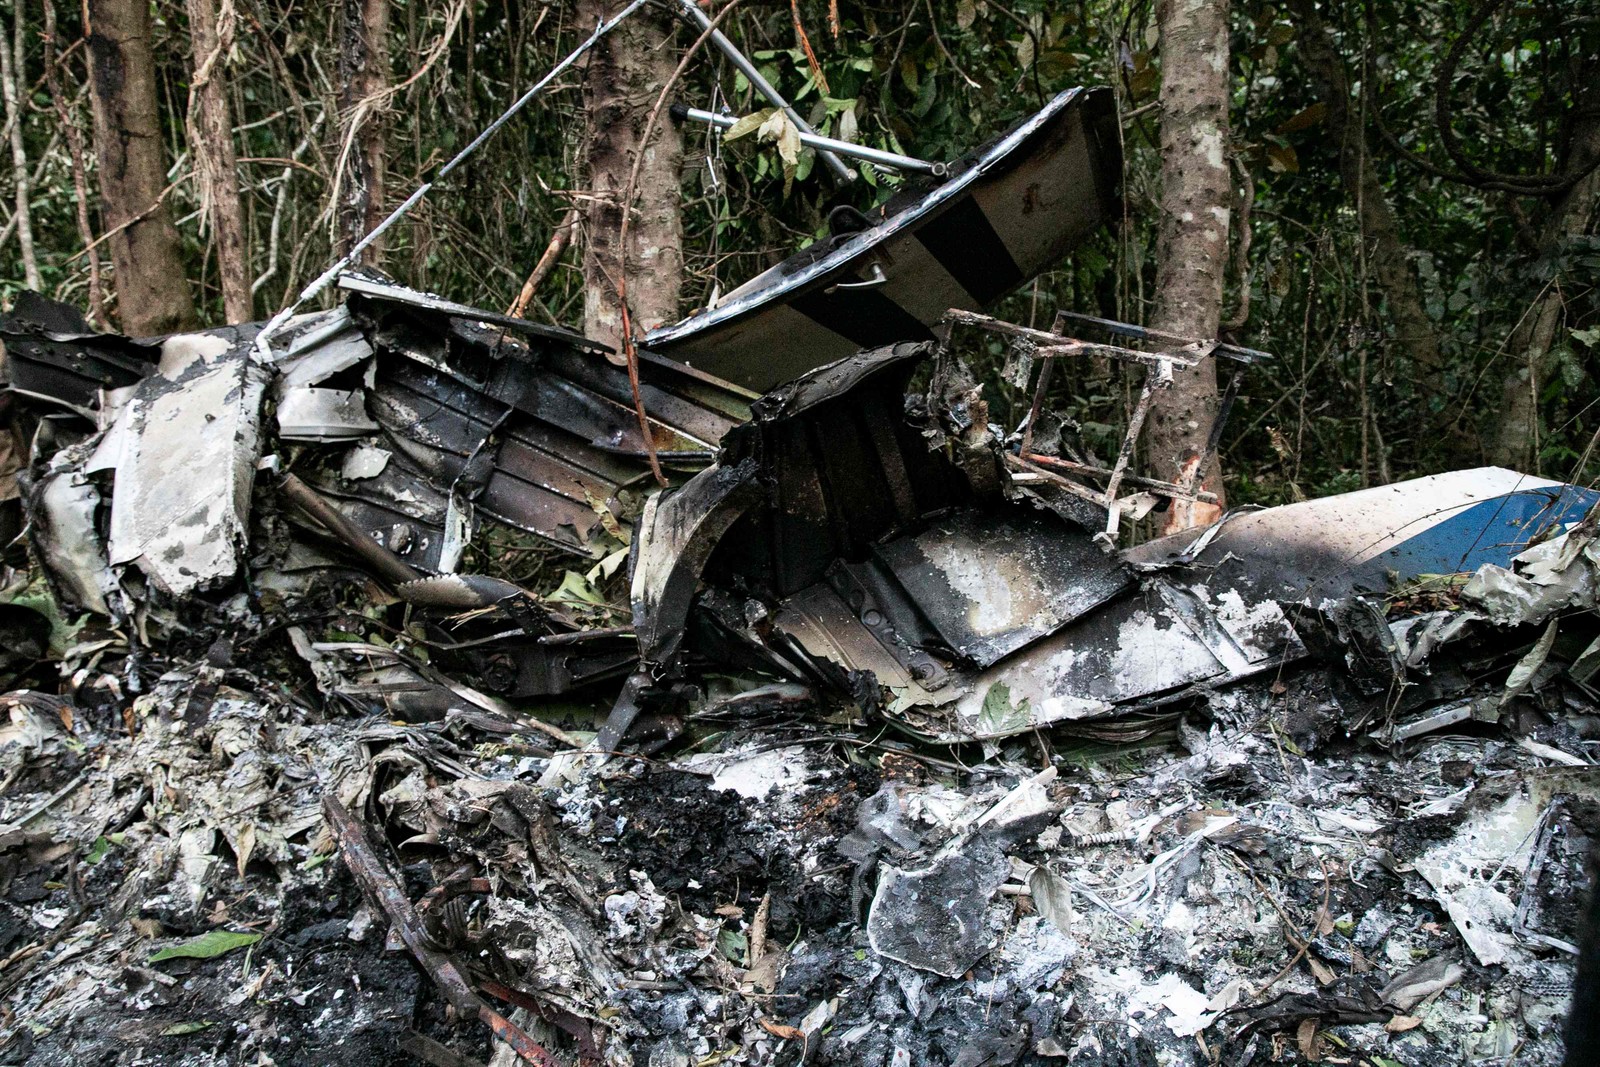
[(626, 72), (362, 131), (16, 89), (75, 152), (1192, 257), (1413, 329), (211, 142), (1516, 441), (152, 292)]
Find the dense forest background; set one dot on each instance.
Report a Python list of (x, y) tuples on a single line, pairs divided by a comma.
[(1413, 233)]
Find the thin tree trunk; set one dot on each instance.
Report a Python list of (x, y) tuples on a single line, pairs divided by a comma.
[(152, 292), (12, 74), (74, 138), (1192, 257), (362, 131), (625, 74), (1516, 440), (1413, 330), (211, 143)]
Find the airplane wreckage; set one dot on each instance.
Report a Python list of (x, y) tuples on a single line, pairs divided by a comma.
[(823, 814)]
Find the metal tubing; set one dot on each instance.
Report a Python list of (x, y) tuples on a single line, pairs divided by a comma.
[(843, 173), (827, 145), (1145, 333), (390, 567)]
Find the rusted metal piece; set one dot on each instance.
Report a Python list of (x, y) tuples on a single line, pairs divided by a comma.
[(1159, 368), (576, 1026), (1145, 333), (1214, 439), (383, 890), (388, 566), (1077, 489), (511, 1034), (1141, 408), (1057, 344), (1047, 364), (1159, 488)]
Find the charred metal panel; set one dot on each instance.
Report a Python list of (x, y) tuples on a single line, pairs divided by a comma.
[(1009, 211), (532, 424), (993, 582), (868, 549), (52, 353), (846, 470), (185, 457), (676, 535)]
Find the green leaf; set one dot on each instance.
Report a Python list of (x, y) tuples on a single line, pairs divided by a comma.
[(180, 1029), (1590, 337), (733, 944), (207, 946), (1024, 47), (575, 590), (999, 715), (748, 124), (849, 126), (97, 851)]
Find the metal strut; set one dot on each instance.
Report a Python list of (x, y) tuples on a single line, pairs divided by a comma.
[(842, 173), (825, 144)]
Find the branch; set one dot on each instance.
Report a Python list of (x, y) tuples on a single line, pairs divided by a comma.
[(547, 262), (1469, 173)]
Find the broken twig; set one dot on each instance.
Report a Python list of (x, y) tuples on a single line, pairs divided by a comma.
[(382, 889)]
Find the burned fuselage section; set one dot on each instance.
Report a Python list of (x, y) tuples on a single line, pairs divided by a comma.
[(868, 543), (388, 433)]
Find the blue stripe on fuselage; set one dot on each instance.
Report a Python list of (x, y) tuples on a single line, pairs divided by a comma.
[(1491, 531)]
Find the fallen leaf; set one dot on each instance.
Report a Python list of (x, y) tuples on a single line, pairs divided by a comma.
[(1281, 159), (1324, 974), (209, 945), (1303, 119), (1401, 1023), (788, 1033), (1306, 1038)]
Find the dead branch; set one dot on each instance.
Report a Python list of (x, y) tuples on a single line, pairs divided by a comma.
[(74, 137), (559, 239), (384, 892)]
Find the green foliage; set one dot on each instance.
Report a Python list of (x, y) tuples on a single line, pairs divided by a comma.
[(209, 945), (1342, 406)]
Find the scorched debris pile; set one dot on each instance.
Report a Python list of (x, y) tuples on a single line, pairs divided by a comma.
[(287, 781), (367, 699)]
